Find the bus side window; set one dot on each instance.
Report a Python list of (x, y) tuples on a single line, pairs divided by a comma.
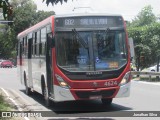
[(26, 47), (35, 44), (43, 41), (20, 50), (50, 36), (38, 42), (23, 47), (30, 44)]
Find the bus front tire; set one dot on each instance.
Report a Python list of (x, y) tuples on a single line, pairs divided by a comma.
[(46, 97), (28, 90), (106, 101)]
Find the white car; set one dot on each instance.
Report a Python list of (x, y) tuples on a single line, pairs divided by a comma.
[(153, 68)]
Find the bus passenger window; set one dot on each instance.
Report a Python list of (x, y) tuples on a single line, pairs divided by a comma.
[(43, 41), (26, 46), (35, 44), (23, 47), (43, 48), (38, 43), (40, 48)]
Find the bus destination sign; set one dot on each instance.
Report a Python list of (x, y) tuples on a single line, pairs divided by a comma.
[(78, 22), (89, 21)]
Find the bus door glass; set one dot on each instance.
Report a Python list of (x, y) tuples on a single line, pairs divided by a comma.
[(49, 58), (30, 42)]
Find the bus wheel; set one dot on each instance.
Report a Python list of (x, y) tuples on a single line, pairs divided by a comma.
[(107, 101), (28, 90), (46, 97)]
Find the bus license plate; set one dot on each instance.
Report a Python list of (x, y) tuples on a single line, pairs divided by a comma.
[(95, 97)]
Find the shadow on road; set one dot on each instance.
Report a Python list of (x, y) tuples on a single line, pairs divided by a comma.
[(76, 107)]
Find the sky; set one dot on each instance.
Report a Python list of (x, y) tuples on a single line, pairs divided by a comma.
[(127, 8)]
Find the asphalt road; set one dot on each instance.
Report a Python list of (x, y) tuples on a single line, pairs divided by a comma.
[(144, 97)]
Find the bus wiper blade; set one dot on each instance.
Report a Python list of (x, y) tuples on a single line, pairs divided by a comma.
[(107, 30), (81, 40)]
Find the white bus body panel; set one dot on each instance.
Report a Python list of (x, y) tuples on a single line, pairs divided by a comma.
[(38, 70), (124, 90), (62, 94)]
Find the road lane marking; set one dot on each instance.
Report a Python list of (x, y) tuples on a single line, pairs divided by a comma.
[(14, 102)]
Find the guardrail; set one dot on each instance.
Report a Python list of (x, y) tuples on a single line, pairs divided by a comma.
[(146, 73)]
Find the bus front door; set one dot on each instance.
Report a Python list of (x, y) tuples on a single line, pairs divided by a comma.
[(49, 69)]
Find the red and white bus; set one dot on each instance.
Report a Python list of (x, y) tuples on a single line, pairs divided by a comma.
[(76, 57)]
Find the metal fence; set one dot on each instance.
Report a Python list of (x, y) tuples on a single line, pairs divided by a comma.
[(150, 74)]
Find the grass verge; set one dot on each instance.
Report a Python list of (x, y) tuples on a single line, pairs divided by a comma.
[(4, 106)]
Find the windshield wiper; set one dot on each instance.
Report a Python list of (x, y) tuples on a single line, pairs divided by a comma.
[(81, 40), (107, 30)]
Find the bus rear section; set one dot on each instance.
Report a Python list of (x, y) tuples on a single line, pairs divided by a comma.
[(91, 58)]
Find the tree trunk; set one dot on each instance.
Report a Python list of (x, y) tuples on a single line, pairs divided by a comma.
[(138, 63), (157, 77)]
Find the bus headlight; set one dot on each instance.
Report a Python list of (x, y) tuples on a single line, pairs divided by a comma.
[(125, 79), (61, 82)]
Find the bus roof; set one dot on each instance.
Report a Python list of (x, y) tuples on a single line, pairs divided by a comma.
[(36, 26), (51, 19), (85, 14)]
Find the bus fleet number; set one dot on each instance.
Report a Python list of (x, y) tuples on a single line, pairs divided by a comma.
[(69, 21), (111, 83)]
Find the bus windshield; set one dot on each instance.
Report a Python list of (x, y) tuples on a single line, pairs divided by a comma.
[(100, 50)]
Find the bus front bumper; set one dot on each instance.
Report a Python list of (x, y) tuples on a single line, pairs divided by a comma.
[(62, 94)]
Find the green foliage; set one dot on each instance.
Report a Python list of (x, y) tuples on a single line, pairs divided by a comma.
[(8, 41), (145, 17), (7, 9), (41, 15), (147, 43), (25, 14), (145, 31), (3, 105)]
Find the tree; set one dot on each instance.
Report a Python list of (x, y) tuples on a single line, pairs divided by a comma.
[(25, 14), (145, 31), (144, 17), (7, 40), (41, 15), (146, 40), (7, 9), (54, 1)]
